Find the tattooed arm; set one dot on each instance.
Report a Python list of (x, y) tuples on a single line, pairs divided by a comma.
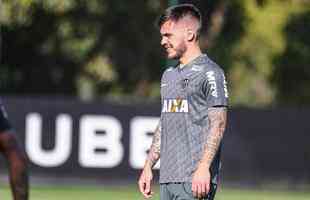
[(217, 123), (153, 156), (154, 152)]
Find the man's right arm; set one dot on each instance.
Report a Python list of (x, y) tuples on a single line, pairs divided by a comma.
[(153, 156), (154, 152)]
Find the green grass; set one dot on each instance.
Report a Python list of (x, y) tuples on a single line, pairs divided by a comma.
[(131, 193)]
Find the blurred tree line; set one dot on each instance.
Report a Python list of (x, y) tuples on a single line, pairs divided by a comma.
[(110, 48)]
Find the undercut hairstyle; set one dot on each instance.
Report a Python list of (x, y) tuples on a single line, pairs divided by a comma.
[(175, 13)]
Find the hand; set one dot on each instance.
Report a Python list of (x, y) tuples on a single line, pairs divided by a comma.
[(201, 182), (145, 181)]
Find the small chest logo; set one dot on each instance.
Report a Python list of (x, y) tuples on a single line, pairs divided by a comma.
[(185, 83), (175, 106)]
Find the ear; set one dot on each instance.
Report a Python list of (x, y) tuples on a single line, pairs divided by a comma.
[(190, 35)]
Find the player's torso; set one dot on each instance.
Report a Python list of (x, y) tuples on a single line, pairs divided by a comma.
[(182, 123)]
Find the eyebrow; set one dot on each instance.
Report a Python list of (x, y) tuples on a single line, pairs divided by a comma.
[(166, 34)]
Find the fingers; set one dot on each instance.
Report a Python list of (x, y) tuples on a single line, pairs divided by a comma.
[(141, 186), (203, 191), (195, 189), (148, 195), (200, 189), (145, 187), (145, 190), (207, 186)]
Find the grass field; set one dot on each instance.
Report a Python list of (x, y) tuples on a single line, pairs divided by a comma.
[(131, 193)]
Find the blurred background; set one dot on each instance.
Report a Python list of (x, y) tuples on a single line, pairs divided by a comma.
[(77, 72)]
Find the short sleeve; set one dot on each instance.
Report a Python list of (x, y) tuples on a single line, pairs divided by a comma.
[(214, 88), (4, 122)]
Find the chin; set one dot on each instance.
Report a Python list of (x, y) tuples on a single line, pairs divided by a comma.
[(172, 56)]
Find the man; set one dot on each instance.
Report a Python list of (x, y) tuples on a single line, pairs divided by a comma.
[(193, 116), (15, 156)]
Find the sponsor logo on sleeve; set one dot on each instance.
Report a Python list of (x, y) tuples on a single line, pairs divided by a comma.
[(225, 87), (212, 82)]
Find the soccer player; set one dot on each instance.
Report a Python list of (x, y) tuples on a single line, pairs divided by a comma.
[(15, 156), (193, 117)]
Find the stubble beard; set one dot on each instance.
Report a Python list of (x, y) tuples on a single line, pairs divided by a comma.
[(179, 51)]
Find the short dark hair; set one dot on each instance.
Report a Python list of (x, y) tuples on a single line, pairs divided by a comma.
[(175, 13)]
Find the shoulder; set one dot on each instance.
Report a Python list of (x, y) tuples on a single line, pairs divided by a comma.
[(208, 67), (169, 69), (168, 72)]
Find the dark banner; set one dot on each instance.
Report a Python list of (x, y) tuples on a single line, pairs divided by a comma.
[(66, 137)]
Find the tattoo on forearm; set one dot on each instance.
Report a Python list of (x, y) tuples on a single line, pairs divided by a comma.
[(154, 152), (217, 123)]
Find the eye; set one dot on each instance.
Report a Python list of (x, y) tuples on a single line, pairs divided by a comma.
[(167, 35)]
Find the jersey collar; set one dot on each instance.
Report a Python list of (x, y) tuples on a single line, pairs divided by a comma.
[(191, 63)]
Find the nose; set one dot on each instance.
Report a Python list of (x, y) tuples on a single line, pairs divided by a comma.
[(163, 41)]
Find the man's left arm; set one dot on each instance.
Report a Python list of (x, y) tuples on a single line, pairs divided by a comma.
[(217, 122), (17, 165), (16, 157)]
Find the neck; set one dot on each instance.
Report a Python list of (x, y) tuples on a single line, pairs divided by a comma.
[(191, 53)]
